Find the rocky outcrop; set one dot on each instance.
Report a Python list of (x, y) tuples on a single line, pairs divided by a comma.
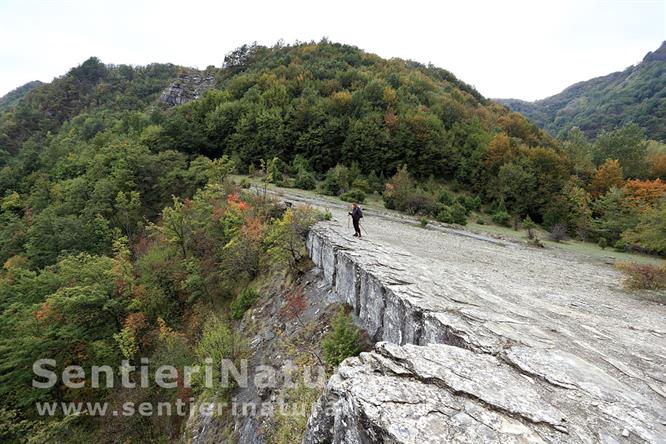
[(487, 351), (657, 56), (187, 87)]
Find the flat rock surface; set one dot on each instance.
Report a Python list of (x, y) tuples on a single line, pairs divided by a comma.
[(491, 341)]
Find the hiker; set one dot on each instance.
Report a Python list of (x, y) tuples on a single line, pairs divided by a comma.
[(356, 215)]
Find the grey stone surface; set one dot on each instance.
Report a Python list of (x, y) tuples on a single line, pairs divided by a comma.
[(187, 87), (486, 341)]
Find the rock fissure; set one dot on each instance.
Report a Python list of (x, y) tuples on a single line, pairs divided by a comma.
[(439, 382)]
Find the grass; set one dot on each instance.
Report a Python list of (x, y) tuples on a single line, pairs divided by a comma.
[(291, 424), (575, 246)]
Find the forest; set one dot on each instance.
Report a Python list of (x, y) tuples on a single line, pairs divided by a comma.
[(122, 233)]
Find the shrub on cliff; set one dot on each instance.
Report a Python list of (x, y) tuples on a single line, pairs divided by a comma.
[(343, 341), (243, 302), (284, 241), (219, 341)]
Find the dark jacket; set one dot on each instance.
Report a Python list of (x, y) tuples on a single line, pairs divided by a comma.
[(356, 213)]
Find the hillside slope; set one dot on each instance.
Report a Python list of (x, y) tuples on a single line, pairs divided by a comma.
[(637, 94), (12, 97), (87, 88), (123, 236)]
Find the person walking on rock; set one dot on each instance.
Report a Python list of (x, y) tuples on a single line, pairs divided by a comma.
[(356, 215)]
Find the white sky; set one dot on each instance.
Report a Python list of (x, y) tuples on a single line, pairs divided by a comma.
[(505, 48)]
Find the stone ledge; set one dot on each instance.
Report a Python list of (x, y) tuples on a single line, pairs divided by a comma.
[(452, 368)]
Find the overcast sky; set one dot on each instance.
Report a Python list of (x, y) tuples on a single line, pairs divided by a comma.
[(520, 49)]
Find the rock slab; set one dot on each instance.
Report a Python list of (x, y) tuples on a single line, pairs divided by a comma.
[(485, 342)]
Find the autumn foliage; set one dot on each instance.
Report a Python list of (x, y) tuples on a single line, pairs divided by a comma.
[(607, 176), (644, 194)]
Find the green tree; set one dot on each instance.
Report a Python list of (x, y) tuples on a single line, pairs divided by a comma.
[(579, 150), (627, 144), (128, 212), (649, 233), (529, 225), (516, 185), (176, 225), (613, 215), (337, 180)]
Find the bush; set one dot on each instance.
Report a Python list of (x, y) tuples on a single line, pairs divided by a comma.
[(418, 202), (245, 183), (558, 232), (644, 276), (424, 222), (445, 197), (474, 203), (353, 195), (300, 163), (363, 185), (480, 221), (620, 246), (219, 341), (336, 181), (402, 194), (305, 180), (470, 203), (375, 183), (459, 214), (243, 302), (444, 215), (602, 242), (502, 217), (648, 235), (343, 341), (275, 171)]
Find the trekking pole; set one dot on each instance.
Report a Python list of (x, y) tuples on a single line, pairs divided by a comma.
[(359, 224), (348, 217)]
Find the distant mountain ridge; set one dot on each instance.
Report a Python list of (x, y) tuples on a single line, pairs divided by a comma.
[(13, 96), (637, 94)]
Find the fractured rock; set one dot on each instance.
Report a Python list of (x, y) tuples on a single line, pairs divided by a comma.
[(186, 88), (486, 342)]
